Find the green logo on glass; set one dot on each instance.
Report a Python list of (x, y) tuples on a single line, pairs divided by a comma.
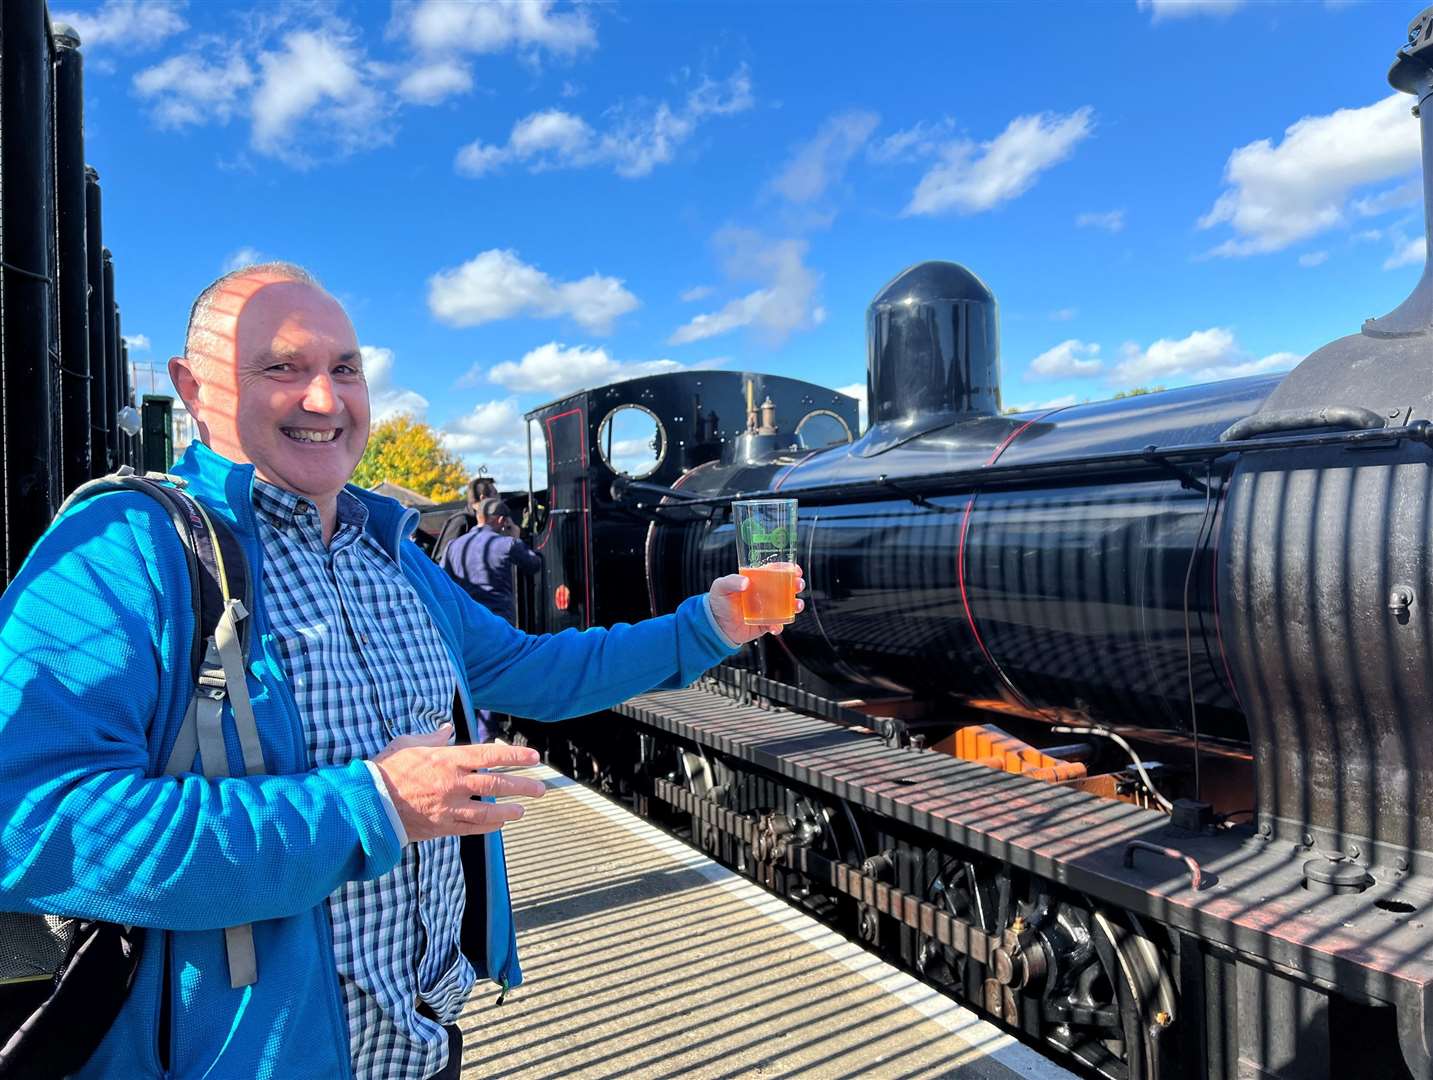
[(757, 536)]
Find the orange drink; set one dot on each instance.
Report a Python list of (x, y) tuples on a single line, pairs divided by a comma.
[(766, 557), (771, 596)]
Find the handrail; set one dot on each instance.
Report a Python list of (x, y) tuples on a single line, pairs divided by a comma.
[(958, 481)]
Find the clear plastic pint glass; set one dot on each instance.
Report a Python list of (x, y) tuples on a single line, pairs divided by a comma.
[(766, 557)]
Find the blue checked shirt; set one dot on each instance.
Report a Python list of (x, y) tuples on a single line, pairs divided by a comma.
[(366, 664)]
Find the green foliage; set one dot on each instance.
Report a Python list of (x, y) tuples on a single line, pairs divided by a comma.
[(1138, 391), (405, 451)]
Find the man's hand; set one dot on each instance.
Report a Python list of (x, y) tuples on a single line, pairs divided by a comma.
[(433, 785), (725, 598)]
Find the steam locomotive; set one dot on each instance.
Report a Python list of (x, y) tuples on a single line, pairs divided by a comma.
[(1112, 719)]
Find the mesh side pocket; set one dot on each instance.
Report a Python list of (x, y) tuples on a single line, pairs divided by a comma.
[(32, 947)]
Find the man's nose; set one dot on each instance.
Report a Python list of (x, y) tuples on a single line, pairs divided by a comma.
[(319, 396)]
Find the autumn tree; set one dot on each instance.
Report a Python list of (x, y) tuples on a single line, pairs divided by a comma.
[(406, 451), (1138, 391)]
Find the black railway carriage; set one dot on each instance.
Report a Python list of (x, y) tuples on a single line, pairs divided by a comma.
[(1111, 719)]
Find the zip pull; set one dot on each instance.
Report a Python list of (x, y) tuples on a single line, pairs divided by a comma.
[(503, 995)]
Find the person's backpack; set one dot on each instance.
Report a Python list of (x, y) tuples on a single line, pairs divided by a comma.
[(64, 980)]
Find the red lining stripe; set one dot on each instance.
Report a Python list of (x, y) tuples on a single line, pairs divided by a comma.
[(791, 469), (586, 508), (960, 558)]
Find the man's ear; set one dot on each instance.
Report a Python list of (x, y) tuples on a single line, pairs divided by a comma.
[(182, 376), (187, 383)]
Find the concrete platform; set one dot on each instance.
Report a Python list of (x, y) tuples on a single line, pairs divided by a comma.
[(643, 958)]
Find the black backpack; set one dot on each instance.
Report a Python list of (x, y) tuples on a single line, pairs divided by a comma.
[(64, 980)]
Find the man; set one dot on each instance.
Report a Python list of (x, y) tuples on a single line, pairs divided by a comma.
[(344, 856), (482, 561)]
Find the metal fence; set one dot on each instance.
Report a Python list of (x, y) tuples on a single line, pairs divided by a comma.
[(64, 367)]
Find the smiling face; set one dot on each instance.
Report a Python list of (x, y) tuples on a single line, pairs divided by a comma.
[(276, 378)]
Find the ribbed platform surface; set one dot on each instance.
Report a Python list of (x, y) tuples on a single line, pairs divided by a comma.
[(645, 959)]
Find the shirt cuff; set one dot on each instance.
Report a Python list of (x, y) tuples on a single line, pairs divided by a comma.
[(393, 818), (716, 626)]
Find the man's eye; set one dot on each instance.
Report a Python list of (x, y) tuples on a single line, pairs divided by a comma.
[(346, 369), (280, 367)]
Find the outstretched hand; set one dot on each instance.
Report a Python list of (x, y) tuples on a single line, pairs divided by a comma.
[(436, 788), (725, 596)]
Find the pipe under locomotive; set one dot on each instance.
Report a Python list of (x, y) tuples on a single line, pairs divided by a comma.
[(1197, 623)]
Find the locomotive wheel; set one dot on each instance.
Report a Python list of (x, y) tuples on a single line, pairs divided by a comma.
[(830, 833), (958, 886), (1108, 999)]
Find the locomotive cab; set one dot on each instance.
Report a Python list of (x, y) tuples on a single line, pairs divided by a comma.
[(615, 453)]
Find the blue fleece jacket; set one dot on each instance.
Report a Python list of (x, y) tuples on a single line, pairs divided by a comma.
[(95, 634)]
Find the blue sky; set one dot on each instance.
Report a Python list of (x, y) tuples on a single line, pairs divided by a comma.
[(516, 199)]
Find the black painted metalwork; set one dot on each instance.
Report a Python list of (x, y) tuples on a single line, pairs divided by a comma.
[(157, 441), (61, 360), (101, 421), (114, 386), (27, 278), (72, 286), (934, 354), (1327, 584)]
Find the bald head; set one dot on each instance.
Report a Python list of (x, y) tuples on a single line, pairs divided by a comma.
[(273, 374), (210, 332)]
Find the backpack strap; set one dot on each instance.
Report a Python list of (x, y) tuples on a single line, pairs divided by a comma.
[(219, 580)]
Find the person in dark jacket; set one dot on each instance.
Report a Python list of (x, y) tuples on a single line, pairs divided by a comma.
[(482, 561)]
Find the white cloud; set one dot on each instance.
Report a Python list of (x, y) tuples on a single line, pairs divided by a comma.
[(1178, 9), (188, 90), (309, 93), (128, 24), (384, 399), (137, 342), (637, 137), (856, 390), (971, 178), (821, 161), (245, 256), (488, 423), (695, 293), (1409, 193), (1278, 195), (1313, 258), (1203, 356), (556, 369), (1069, 359), (437, 26), (1407, 253), (1041, 406), (497, 284), (430, 83), (493, 437), (1064, 314), (785, 302), (1111, 220), (912, 144), (320, 79)]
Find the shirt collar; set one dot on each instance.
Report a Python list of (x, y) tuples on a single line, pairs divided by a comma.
[(285, 510)]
